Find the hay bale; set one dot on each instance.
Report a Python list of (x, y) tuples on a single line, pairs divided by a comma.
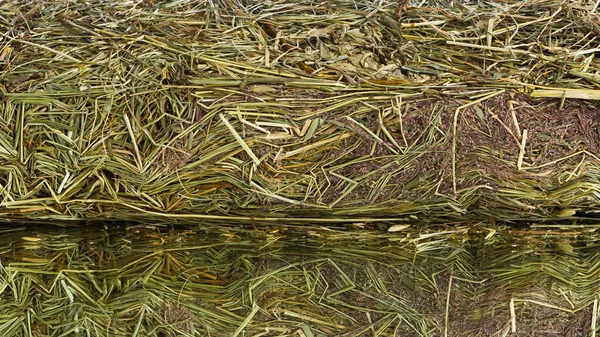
[(252, 111)]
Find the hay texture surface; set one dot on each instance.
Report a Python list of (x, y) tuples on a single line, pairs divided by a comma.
[(334, 111)]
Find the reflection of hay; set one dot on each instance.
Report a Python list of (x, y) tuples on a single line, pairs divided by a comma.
[(331, 281)]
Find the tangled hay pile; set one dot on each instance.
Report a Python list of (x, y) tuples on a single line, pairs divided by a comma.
[(339, 111)]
